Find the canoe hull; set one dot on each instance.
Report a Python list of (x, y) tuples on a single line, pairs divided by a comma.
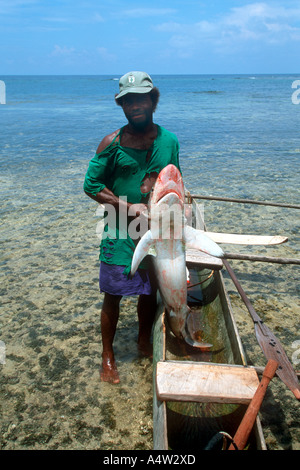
[(190, 426)]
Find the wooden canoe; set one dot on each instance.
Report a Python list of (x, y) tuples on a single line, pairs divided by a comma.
[(198, 394)]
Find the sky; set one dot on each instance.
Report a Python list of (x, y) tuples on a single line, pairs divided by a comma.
[(111, 37)]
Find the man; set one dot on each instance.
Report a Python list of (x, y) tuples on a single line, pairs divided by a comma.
[(121, 174)]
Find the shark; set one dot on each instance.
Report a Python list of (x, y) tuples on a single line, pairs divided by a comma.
[(167, 239)]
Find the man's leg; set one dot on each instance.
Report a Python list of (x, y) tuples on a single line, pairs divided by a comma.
[(109, 320), (147, 305)]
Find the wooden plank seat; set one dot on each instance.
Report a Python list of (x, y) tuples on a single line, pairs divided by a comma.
[(205, 382), (196, 257)]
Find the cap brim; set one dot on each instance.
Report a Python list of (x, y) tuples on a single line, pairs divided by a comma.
[(135, 90)]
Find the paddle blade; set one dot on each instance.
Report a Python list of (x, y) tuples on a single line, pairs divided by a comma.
[(273, 349), (269, 344)]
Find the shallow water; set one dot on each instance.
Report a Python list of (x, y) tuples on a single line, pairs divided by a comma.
[(237, 139)]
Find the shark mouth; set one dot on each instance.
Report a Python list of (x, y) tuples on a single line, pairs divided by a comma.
[(168, 181)]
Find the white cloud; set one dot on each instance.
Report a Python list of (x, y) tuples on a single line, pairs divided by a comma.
[(98, 18), (146, 12), (184, 46), (53, 19), (259, 21), (62, 51), (260, 11), (9, 6), (105, 54), (71, 55), (94, 18), (252, 23), (169, 27)]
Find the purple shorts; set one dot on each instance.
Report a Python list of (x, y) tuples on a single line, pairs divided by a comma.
[(114, 282)]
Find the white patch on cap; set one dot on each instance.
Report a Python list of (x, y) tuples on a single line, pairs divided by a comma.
[(131, 79)]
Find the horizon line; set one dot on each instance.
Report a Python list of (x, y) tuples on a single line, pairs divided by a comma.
[(153, 74)]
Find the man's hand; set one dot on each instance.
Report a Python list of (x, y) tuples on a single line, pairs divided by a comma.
[(137, 210)]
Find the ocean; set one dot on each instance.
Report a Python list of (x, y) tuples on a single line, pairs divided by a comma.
[(239, 137)]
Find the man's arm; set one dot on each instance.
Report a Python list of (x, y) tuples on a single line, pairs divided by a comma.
[(107, 141), (106, 196)]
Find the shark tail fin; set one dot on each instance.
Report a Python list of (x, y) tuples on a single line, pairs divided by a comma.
[(189, 332), (192, 333)]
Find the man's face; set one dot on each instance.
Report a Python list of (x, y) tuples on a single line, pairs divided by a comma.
[(138, 109)]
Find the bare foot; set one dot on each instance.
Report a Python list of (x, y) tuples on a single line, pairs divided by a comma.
[(145, 348), (108, 371)]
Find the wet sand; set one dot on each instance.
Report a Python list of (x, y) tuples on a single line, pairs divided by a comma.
[(51, 395)]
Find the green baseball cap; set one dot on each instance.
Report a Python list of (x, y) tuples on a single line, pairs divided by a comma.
[(135, 82)]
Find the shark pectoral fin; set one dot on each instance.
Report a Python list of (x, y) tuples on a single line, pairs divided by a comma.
[(141, 251), (199, 241)]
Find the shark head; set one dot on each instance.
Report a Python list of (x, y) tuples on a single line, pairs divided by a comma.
[(169, 181), (167, 205)]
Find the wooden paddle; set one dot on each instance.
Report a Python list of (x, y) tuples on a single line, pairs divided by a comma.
[(259, 370), (262, 259), (240, 239), (269, 344), (242, 434), (245, 201)]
